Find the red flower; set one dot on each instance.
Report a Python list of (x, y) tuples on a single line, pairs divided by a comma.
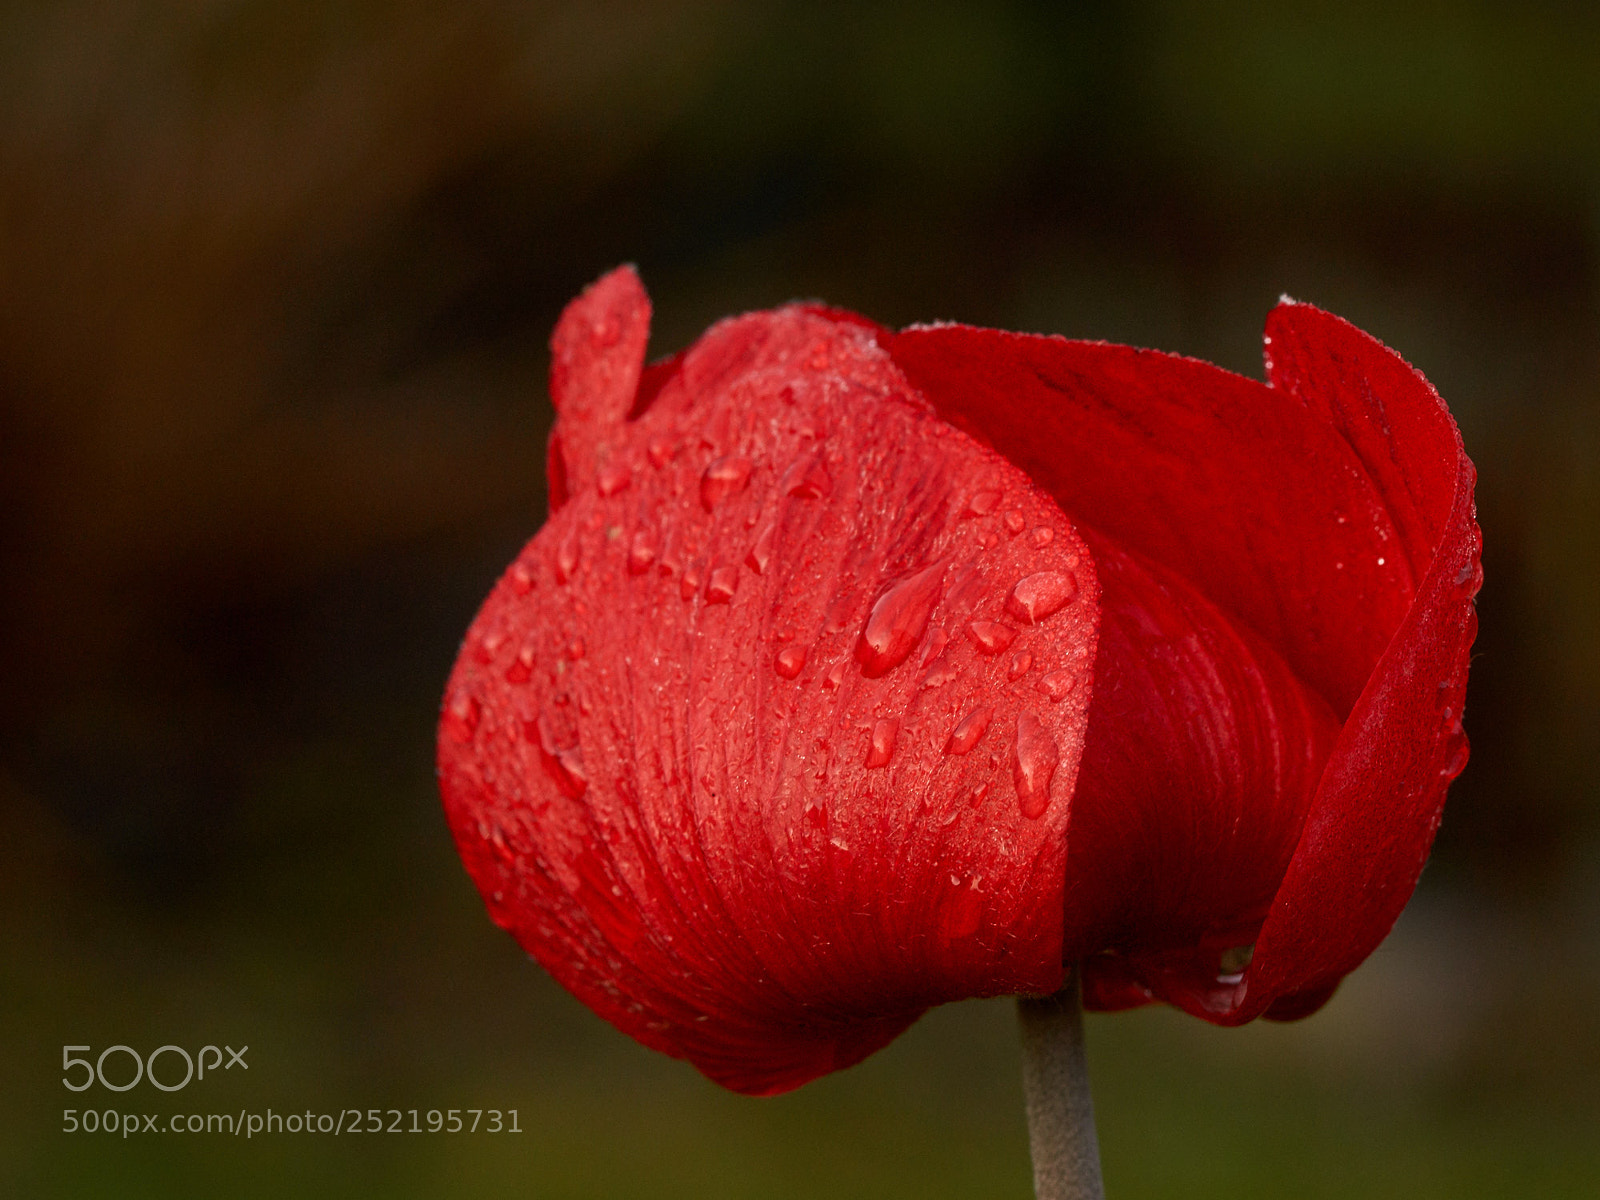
[(858, 671)]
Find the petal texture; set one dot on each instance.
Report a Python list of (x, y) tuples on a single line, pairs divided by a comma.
[(752, 747)]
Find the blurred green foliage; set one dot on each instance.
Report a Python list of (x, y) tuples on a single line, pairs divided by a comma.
[(275, 282)]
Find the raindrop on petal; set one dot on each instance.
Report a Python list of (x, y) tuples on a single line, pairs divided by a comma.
[(567, 557), (1039, 595), (613, 478), (761, 553), (982, 503), (1057, 684), (461, 716), (970, 731), (722, 478), (791, 660), (991, 636), (1037, 756), (898, 621), (723, 583), (881, 748), (641, 552)]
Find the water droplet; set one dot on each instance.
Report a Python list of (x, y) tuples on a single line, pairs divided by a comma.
[(1381, 561), (613, 478), (1231, 965), (761, 553), (1057, 684), (1456, 759), (659, 452), (567, 557), (1038, 596), (521, 579), (898, 621), (1043, 536), (988, 539), (723, 583), (970, 731), (939, 673), (1020, 662), (521, 668), (790, 662), (461, 716), (576, 649), (489, 645), (1014, 520), (937, 641), (641, 552), (722, 478), (991, 636), (979, 794), (835, 676), (818, 816), (881, 747), (1037, 756), (806, 479), (981, 503), (691, 581), (564, 765)]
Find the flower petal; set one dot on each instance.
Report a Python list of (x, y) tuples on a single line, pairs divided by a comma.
[(700, 751), (596, 356), (1379, 804), (1228, 484)]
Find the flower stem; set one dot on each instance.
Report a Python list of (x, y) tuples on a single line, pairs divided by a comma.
[(1055, 1083)]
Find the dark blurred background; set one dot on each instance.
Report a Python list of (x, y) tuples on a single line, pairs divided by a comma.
[(276, 280)]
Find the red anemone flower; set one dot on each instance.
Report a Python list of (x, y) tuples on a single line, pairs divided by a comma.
[(858, 671)]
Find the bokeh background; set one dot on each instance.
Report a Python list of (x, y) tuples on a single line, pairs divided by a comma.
[(276, 279)]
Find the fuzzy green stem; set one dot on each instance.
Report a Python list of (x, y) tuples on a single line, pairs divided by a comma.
[(1055, 1083)]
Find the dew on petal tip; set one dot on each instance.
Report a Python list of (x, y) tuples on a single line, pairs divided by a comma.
[(722, 478), (898, 621), (761, 553), (880, 749), (790, 661), (1057, 685), (1021, 661), (991, 637), (1041, 595), (1037, 757), (613, 478), (970, 731), (721, 586)]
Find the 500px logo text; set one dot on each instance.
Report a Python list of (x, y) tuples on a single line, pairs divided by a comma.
[(209, 1058)]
